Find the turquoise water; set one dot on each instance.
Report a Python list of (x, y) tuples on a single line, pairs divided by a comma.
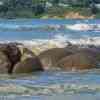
[(49, 85)]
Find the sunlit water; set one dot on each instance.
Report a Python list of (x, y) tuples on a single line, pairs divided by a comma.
[(50, 85)]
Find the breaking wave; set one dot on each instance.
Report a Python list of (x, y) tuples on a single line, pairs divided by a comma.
[(84, 27), (78, 26), (59, 41)]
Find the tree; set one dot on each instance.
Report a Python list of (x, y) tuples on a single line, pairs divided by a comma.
[(4, 7), (38, 6), (55, 2), (12, 3), (79, 3), (94, 9)]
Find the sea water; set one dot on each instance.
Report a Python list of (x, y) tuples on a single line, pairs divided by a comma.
[(51, 85)]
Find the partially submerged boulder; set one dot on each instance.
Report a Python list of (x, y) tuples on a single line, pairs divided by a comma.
[(77, 61), (16, 60), (50, 57)]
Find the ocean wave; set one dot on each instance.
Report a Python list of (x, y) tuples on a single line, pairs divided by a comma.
[(84, 27), (55, 27), (59, 41)]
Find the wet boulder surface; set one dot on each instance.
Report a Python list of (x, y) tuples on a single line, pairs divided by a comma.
[(85, 58), (50, 57), (70, 58), (78, 61), (13, 60), (29, 63)]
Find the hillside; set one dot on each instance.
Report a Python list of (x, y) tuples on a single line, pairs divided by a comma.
[(49, 9)]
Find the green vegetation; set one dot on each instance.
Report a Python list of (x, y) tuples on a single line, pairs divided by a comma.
[(42, 8)]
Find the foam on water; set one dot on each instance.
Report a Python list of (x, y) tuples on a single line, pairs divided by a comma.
[(62, 41), (58, 41), (84, 27), (76, 26)]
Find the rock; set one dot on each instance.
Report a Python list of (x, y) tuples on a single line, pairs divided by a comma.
[(94, 51), (26, 53), (13, 53), (50, 57), (77, 61), (29, 63), (5, 64)]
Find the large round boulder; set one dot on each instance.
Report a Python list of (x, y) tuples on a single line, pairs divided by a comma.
[(50, 57), (29, 63), (5, 64), (77, 61)]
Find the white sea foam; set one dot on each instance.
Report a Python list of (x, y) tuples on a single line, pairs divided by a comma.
[(84, 27), (59, 41), (75, 27)]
